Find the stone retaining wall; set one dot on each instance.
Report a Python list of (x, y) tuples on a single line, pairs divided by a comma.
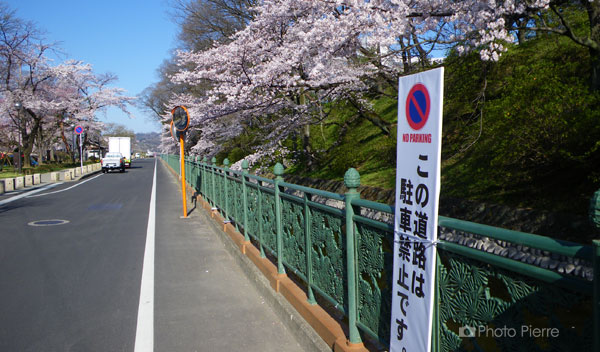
[(561, 226)]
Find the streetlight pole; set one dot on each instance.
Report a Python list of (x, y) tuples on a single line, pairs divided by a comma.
[(19, 107)]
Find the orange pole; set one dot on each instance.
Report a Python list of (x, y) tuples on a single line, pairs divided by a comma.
[(182, 170)]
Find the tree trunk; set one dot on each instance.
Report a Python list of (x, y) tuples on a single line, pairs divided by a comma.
[(63, 138), (595, 68), (405, 58), (29, 141), (593, 9), (372, 117), (306, 135), (25, 148), (306, 145)]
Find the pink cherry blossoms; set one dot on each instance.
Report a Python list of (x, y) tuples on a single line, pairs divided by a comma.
[(298, 54)]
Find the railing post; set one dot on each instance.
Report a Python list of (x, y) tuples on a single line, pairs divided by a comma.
[(278, 171), (260, 220), (203, 180), (214, 180), (225, 189), (196, 173), (596, 297), (245, 200), (188, 170), (352, 181), (435, 335), (308, 250)]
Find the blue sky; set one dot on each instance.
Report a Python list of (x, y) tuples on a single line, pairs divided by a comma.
[(129, 38)]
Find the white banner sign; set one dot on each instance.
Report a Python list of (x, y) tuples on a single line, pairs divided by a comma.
[(420, 101)]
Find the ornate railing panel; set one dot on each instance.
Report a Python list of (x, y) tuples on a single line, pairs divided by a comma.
[(506, 311), (374, 261), (267, 218), (294, 236), (329, 255)]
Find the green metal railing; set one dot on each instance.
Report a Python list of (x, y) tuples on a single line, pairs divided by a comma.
[(345, 260)]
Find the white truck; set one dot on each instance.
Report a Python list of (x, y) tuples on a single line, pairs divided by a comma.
[(113, 161), (121, 145)]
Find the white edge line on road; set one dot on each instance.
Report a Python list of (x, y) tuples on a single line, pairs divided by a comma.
[(29, 194), (144, 335), (66, 189)]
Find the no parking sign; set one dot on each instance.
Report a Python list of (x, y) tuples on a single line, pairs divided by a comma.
[(418, 106), (420, 101)]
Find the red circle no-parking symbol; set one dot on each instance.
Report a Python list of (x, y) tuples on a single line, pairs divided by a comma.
[(418, 105)]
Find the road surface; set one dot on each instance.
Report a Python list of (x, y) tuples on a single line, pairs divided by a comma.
[(77, 272)]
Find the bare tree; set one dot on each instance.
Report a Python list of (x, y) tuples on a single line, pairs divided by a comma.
[(202, 23), (206, 21)]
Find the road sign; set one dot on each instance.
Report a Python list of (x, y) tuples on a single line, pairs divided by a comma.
[(181, 118), (416, 210), (79, 130), (418, 106), (175, 134)]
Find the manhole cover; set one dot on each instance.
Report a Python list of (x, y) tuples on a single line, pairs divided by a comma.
[(47, 222)]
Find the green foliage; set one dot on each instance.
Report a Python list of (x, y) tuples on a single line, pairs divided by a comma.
[(538, 128), (236, 154), (347, 140)]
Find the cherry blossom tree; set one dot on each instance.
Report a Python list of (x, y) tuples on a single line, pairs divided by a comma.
[(36, 97), (46, 96), (296, 55)]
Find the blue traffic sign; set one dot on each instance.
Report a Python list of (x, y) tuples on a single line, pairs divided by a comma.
[(79, 130), (418, 105)]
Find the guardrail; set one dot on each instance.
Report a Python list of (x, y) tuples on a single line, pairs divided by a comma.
[(344, 259)]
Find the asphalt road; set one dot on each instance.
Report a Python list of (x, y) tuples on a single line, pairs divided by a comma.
[(76, 286)]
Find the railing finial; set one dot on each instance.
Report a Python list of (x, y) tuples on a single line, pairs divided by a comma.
[(352, 179), (278, 170)]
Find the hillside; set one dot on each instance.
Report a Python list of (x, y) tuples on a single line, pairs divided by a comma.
[(147, 142), (528, 140)]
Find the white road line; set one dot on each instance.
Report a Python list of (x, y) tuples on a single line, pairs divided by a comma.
[(66, 189), (29, 194), (144, 335)]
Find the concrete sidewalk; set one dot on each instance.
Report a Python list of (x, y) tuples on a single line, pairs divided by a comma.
[(206, 301)]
